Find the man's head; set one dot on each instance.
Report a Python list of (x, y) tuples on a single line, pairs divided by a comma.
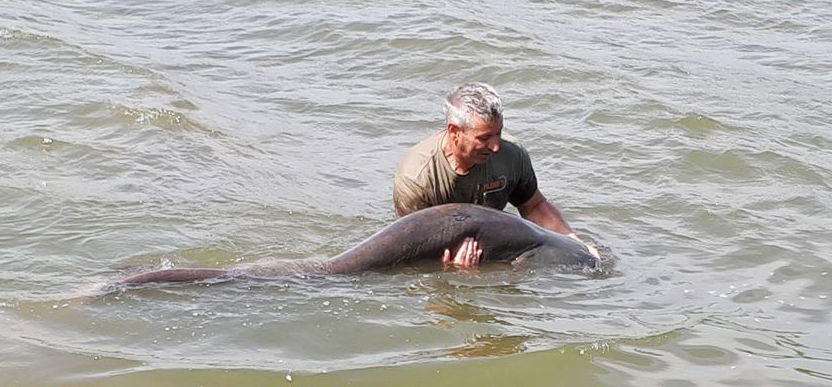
[(474, 120)]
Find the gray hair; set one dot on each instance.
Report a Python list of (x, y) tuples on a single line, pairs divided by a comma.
[(472, 99)]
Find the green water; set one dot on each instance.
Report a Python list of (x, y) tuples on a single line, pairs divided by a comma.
[(688, 140)]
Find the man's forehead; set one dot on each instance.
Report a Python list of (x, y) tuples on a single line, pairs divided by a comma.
[(481, 125)]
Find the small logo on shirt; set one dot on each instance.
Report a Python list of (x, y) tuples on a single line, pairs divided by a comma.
[(493, 186)]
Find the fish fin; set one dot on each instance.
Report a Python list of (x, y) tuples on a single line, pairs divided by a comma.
[(523, 260)]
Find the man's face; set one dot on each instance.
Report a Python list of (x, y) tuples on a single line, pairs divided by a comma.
[(476, 144)]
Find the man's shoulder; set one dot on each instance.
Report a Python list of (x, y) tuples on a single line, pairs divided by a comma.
[(511, 147), (419, 157)]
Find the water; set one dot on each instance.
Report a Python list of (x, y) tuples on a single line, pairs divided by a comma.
[(689, 140)]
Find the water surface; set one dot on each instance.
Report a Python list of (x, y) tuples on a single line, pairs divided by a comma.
[(689, 140)]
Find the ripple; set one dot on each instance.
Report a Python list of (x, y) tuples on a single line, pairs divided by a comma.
[(159, 117), (16, 39), (693, 125)]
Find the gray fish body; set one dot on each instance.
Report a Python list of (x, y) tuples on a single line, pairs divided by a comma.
[(422, 235)]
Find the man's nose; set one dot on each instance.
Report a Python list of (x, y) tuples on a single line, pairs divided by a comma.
[(494, 144)]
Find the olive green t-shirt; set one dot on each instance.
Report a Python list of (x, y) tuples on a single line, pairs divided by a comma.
[(425, 178)]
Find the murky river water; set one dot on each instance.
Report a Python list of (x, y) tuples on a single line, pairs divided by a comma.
[(690, 140)]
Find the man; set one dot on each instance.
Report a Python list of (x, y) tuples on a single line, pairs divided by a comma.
[(471, 162)]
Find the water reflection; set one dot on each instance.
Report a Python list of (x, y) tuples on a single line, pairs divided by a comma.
[(482, 345)]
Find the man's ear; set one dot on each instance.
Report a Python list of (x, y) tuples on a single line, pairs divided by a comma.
[(453, 129), (453, 132)]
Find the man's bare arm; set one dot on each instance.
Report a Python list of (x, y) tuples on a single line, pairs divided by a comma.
[(538, 210)]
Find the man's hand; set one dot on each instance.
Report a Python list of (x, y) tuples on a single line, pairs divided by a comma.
[(467, 255), (592, 249)]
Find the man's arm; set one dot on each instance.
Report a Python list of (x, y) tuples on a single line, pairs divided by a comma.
[(538, 210)]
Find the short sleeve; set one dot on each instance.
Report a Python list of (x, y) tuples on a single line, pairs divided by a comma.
[(408, 196), (527, 181)]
